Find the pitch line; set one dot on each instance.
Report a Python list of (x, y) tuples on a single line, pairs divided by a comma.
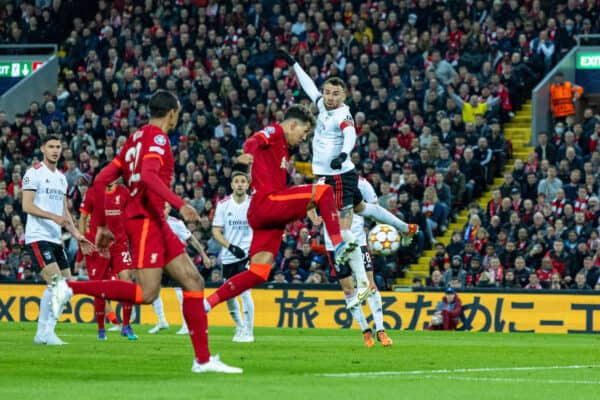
[(452, 371), (520, 380)]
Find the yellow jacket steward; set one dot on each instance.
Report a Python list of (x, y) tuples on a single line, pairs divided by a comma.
[(561, 98)]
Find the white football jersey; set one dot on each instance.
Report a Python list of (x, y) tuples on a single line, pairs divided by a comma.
[(50, 190), (328, 139), (179, 229), (358, 222), (232, 217)]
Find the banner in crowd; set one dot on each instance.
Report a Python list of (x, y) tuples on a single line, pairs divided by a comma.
[(489, 312)]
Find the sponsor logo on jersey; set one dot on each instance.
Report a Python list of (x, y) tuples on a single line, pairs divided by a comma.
[(160, 140)]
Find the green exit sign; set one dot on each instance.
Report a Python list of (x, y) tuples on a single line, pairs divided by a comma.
[(588, 61), (18, 69)]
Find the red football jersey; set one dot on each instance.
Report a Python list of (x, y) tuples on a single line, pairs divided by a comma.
[(91, 209), (147, 142), (115, 202), (271, 158)]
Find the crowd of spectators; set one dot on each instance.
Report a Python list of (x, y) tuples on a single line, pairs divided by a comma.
[(430, 84)]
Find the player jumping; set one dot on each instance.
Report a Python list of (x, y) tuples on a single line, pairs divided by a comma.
[(274, 205), (334, 140)]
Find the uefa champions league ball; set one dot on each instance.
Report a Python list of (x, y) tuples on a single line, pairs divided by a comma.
[(383, 240)]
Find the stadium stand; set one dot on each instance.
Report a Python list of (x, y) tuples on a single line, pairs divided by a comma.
[(439, 91)]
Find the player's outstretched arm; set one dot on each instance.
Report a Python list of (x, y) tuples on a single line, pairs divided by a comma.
[(86, 246), (153, 182), (307, 84)]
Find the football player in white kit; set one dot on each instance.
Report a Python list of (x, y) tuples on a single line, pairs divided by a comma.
[(344, 275), (45, 202), (231, 230), (333, 141), (183, 233)]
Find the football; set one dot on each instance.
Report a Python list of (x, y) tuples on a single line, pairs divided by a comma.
[(383, 240)]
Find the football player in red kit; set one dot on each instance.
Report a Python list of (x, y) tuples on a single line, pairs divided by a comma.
[(274, 205), (117, 261), (147, 165)]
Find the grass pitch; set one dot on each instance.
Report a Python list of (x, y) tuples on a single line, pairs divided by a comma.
[(300, 364)]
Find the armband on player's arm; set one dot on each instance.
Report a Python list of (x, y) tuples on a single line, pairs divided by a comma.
[(150, 178), (347, 128)]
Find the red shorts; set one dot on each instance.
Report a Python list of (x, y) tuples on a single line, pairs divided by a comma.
[(268, 216), (153, 243), (120, 258), (97, 266)]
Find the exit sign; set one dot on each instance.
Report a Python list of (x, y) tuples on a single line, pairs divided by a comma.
[(588, 61), (16, 69)]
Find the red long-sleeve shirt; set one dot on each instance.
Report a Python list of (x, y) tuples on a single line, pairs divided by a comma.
[(271, 156)]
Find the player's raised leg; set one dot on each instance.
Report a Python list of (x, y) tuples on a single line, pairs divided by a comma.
[(377, 213), (278, 209)]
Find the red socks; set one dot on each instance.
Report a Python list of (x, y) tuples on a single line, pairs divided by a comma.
[(99, 311), (126, 307), (195, 317), (237, 284), (109, 290), (330, 215)]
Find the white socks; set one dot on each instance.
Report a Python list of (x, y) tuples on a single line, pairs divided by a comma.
[(44, 312), (380, 214), (234, 310), (376, 309), (159, 309), (248, 305), (356, 262), (357, 314), (179, 295)]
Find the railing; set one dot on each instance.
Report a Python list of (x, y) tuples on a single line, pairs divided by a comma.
[(541, 117)]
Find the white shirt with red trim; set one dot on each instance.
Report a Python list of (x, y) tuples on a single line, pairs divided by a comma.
[(50, 188), (179, 229), (328, 141)]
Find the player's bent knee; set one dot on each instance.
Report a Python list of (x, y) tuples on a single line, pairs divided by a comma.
[(261, 270), (321, 190), (148, 297)]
